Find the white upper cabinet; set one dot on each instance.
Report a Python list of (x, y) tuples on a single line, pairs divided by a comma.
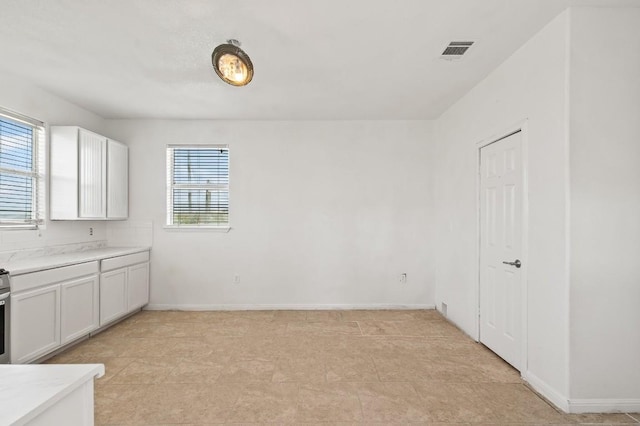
[(89, 176), (92, 175), (117, 180)]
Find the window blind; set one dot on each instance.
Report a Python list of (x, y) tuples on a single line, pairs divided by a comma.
[(21, 170), (198, 185)]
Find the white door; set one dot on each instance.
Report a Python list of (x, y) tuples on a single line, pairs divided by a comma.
[(79, 312), (92, 178), (138, 286), (113, 295), (35, 323), (501, 221), (117, 180)]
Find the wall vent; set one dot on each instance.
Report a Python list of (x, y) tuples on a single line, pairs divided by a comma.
[(456, 49)]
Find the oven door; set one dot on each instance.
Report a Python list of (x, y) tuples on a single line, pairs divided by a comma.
[(4, 328)]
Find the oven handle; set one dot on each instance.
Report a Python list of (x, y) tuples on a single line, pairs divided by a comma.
[(4, 296)]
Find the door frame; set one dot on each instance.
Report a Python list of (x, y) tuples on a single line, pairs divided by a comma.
[(522, 127)]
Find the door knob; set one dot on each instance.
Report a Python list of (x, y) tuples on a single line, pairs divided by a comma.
[(517, 263)]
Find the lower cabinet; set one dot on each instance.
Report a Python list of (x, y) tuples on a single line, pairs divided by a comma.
[(138, 286), (79, 303), (35, 317), (53, 307), (51, 316), (113, 295), (122, 291)]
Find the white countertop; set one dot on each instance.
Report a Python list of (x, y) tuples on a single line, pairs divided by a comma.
[(28, 390), (40, 263)]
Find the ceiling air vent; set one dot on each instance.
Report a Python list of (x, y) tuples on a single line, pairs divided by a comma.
[(456, 49)]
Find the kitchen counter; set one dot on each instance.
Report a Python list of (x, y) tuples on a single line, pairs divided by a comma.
[(41, 263), (46, 394)]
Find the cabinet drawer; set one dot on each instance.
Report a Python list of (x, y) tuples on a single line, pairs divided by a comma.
[(122, 261), (52, 276)]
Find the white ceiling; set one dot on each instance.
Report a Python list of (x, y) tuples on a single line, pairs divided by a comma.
[(314, 59)]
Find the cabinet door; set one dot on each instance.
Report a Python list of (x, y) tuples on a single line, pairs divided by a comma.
[(79, 308), (35, 323), (117, 180), (138, 283), (92, 175), (113, 295), (63, 173)]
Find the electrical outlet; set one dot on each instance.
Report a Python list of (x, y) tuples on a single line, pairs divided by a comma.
[(236, 279), (90, 231), (403, 278)]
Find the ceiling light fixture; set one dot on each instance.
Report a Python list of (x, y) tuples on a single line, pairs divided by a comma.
[(232, 64)]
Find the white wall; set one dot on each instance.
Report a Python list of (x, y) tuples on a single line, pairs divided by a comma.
[(605, 206), (322, 213), (23, 97), (530, 85)]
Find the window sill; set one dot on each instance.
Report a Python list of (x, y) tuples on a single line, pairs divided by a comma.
[(187, 228), (19, 227)]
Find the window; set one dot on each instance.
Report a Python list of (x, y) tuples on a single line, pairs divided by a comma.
[(198, 186), (21, 171)]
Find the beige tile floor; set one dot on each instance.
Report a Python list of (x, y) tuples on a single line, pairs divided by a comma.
[(307, 367)]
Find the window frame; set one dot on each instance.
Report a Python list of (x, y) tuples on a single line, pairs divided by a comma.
[(37, 173), (170, 186)]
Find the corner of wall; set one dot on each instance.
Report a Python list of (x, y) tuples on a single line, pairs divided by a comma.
[(553, 395), (567, 188)]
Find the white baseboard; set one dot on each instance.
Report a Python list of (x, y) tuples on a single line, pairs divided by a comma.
[(579, 406), (278, 307), (543, 388)]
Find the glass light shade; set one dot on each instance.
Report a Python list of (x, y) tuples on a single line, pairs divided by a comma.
[(232, 65), (232, 68)]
